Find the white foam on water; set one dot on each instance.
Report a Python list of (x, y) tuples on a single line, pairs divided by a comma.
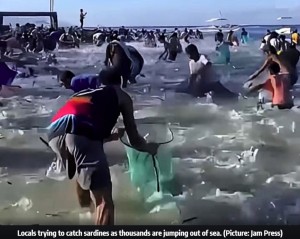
[(235, 198)]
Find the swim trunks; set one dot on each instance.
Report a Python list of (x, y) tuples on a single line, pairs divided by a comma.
[(86, 161)]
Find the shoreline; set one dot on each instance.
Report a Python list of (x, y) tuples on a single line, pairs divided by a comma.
[(193, 26)]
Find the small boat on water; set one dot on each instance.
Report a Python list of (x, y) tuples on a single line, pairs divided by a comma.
[(216, 27), (284, 30)]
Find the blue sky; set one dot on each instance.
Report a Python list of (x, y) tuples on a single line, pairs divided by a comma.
[(162, 12)]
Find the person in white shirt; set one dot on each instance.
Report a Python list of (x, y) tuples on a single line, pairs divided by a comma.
[(271, 39), (203, 78)]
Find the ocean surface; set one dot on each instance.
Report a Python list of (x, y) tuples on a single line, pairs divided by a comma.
[(221, 179)]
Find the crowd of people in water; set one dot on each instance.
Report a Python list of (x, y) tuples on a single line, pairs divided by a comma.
[(84, 123)]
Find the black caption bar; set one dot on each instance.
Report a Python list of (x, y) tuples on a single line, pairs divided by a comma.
[(49, 232)]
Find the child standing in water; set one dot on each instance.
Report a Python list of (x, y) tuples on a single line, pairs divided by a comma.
[(279, 86)]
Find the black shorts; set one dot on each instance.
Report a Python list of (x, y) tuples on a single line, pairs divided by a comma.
[(101, 179)]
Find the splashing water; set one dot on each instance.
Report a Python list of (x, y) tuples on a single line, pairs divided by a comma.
[(218, 179)]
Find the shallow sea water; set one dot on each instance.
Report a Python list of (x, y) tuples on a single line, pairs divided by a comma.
[(221, 179)]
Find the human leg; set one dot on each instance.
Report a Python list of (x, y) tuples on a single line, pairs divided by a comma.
[(93, 177)]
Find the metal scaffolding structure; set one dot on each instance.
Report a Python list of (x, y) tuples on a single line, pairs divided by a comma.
[(51, 5), (52, 15)]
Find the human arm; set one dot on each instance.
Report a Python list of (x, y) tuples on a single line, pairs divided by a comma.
[(107, 55), (136, 141), (229, 43), (116, 135), (255, 88), (61, 38), (258, 72)]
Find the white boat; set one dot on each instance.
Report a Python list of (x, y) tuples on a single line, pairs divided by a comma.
[(284, 18), (285, 30), (215, 28)]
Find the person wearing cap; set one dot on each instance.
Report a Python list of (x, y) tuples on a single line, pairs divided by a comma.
[(78, 131)]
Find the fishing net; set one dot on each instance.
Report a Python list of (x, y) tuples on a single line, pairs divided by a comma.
[(149, 172)]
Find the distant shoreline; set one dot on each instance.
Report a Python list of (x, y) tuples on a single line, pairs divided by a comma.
[(62, 23), (241, 25)]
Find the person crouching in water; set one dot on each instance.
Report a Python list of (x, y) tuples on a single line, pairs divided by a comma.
[(287, 61), (203, 79), (137, 63), (279, 86), (118, 56), (66, 40), (79, 82), (171, 47), (78, 131)]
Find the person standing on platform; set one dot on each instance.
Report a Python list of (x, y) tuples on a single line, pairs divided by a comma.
[(82, 16)]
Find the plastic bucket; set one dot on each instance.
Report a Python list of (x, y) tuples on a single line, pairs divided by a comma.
[(148, 173)]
